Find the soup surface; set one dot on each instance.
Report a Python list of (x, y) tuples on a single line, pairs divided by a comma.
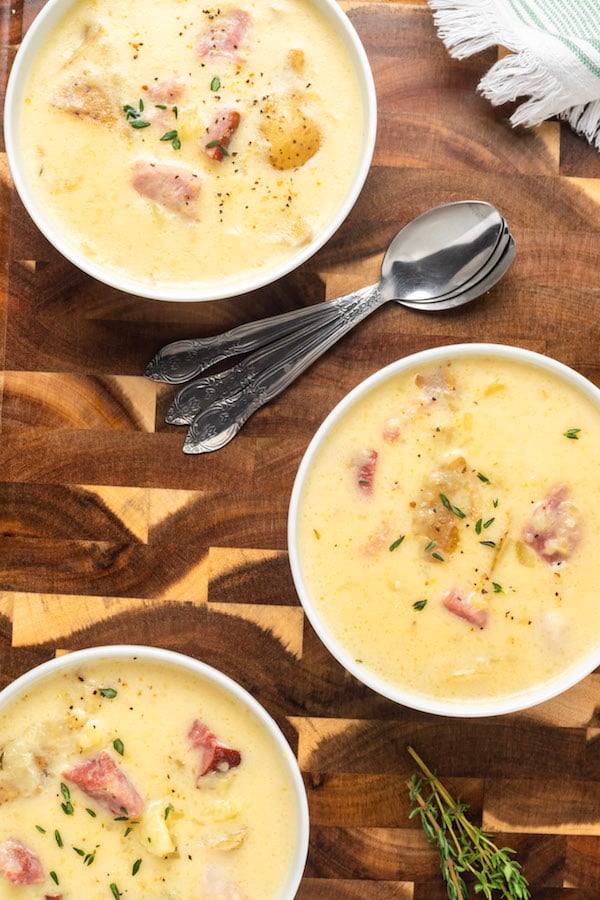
[(449, 526), (182, 143), (137, 779)]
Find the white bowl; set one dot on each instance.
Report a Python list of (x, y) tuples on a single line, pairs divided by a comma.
[(253, 711), (241, 283), (576, 668)]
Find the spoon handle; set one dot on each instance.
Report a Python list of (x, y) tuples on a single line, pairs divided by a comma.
[(218, 424), (200, 393), (180, 361)]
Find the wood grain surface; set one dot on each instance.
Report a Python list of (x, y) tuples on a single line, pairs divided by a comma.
[(109, 533)]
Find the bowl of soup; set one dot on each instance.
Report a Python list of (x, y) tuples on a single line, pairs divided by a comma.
[(190, 152), (443, 530), (135, 771)]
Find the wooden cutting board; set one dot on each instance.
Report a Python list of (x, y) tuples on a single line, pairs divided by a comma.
[(109, 533)]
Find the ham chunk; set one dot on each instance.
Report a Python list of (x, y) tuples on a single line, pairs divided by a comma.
[(365, 464), (172, 186), (219, 133), (214, 755), (225, 36), (102, 779), (463, 606), (19, 865), (217, 884), (166, 90), (554, 528)]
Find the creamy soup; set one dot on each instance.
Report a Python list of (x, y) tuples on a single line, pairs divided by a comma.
[(449, 526), (181, 143), (138, 779)]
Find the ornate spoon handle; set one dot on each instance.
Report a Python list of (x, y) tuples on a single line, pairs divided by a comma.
[(218, 424), (183, 360)]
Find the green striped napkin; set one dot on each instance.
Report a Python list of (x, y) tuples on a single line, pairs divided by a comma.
[(555, 60)]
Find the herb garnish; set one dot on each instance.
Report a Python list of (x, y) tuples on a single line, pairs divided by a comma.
[(136, 867), (464, 848), (454, 509), (173, 138), (488, 543), (419, 605), (572, 433), (134, 115), (395, 544), (58, 838), (483, 478), (215, 83), (67, 806), (498, 589), (115, 891), (54, 877), (225, 152), (108, 693), (119, 746), (40, 829)]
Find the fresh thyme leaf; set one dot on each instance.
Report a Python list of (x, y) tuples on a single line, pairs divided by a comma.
[(115, 891), (437, 556), (572, 433), (119, 746), (498, 589), (40, 829), (464, 848), (90, 812), (136, 867), (225, 152), (108, 693), (429, 546), (215, 83), (58, 838), (139, 123), (454, 509), (169, 136), (395, 544), (419, 605), (488, 543), (54, 877), (489, 522), (483, 478), (478, 526), (79, 851), (168, 810)]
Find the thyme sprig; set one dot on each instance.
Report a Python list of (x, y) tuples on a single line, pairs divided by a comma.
[(464, 848)]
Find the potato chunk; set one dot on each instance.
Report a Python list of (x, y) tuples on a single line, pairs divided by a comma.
[(293, 136)]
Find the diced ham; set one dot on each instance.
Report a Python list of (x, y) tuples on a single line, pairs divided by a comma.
[(172, 186), (218, 885), (225, 36), (219, 133), (19, 865), (554, 529), (167, 90), (365, 464), (462, 606), (214, 755), (431, 387), (102, 779)]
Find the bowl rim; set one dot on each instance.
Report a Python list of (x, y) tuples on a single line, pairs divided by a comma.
[(521, 700), (171, 658), (44, 21)]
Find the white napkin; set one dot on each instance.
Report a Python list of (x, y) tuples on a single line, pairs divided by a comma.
[(555, 58)]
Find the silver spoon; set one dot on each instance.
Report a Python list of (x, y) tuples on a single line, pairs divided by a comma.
[(433, 255), (283, 361), (200, 392)]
